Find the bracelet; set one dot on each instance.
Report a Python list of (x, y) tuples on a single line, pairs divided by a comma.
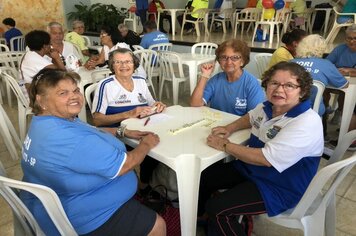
[(225, 145), (204, 76), (120, 132)]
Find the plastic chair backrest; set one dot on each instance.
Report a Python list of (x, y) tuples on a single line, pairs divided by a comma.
[(48, 198), (18, 43), (171, 64), (204, 48), (161, 47), (98, 75), (87, 40), (342, 146), (137, 47), (262, 61), (4, 48), (88, 94), (2, 41), (319, 95), (22, 100), (249, 14)]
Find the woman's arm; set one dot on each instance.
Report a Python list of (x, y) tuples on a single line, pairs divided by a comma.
[(196, 99)]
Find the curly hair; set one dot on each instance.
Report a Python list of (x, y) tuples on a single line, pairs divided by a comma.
[(45, 79), (36, 39), (304, 78), (311, 46), (238, 46)]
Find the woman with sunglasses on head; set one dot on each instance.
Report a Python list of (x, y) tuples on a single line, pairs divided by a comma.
[(273, 171), (90, 169), (234, 90)]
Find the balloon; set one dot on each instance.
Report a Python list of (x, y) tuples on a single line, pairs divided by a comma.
[(269, 14), (268, 4), (279, 4)]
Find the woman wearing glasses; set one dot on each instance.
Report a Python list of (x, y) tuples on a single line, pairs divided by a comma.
[(272, 173), (234, 90), (122, 96), (90, 170)]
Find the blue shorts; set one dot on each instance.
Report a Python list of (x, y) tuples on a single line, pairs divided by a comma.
[(131, 219)]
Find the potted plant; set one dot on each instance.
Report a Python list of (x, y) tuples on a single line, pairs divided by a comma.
[(97, 15)]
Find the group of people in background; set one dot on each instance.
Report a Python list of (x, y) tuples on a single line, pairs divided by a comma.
[(97, 185)]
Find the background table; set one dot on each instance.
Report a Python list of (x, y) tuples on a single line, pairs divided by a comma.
[(186, 152), (173, 14)]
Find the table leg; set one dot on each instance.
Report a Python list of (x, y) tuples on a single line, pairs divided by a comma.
[(173, 21), (158, 19), (188, 169), (349, 104), (192, 76)]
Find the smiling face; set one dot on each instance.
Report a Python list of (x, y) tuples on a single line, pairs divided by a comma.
[(63, 100), (283, 91), (123, 65), (351, 40), (228, 65)]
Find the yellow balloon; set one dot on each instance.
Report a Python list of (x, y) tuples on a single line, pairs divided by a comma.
[(269, 14)]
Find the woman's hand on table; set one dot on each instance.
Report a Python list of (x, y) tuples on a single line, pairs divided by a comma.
[(217, 142), (158, 107), (151, 140), (221, 130), (136, 134), (348, 71), (140, 112)]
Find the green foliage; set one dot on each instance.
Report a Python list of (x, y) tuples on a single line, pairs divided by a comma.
[(97, 15)]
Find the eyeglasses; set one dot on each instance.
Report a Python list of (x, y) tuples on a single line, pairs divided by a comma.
[(288, 87), (232, 58), (350, 39), (127, 62)]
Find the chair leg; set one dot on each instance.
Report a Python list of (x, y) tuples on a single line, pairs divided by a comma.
[(254, 33), (332, 34), (181, 31), (224, 27), (175, 87), (271, 32), (197, 29)]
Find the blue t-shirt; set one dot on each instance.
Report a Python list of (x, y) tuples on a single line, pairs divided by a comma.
[(283, 190), (236, 97), (80, 163), (152, 38), (324, 71), (343, 57), (11, 33)]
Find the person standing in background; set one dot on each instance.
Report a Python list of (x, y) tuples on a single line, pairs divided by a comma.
[(12, 31), (141, 10), (154, 7)]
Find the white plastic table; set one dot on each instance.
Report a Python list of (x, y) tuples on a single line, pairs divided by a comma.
[(193, 61), (186, 152), (173, 14)]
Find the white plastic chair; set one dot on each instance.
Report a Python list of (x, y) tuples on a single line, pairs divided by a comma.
[(246, 15), (228, 17), (171, 70), (204, 48), (137, 47), (98, 75), (161, 47), (48, 198), (201, 19), (4, 48), (133, 19), (262, 61), (315, 212), (281, 18), (147, 57), (24, 109), (336, 26), (87, 40), (9, 135), (307, 15), (88, 94), (319, 95), (20, 43)]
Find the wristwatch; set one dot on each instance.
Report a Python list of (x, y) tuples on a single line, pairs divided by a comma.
[(120, 132)]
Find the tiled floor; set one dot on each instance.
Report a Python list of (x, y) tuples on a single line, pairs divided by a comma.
[(346, 194)]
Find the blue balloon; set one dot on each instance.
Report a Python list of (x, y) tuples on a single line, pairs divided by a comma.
[(279, 4)]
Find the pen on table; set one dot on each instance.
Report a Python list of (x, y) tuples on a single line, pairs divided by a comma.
[(146, 122)]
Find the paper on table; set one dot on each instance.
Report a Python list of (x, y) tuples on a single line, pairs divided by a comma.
[(158, 118)]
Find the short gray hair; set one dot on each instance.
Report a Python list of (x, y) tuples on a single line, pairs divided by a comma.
[(122, 26), (311, 46), (77, 23), (351, 29), (54, 24)]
